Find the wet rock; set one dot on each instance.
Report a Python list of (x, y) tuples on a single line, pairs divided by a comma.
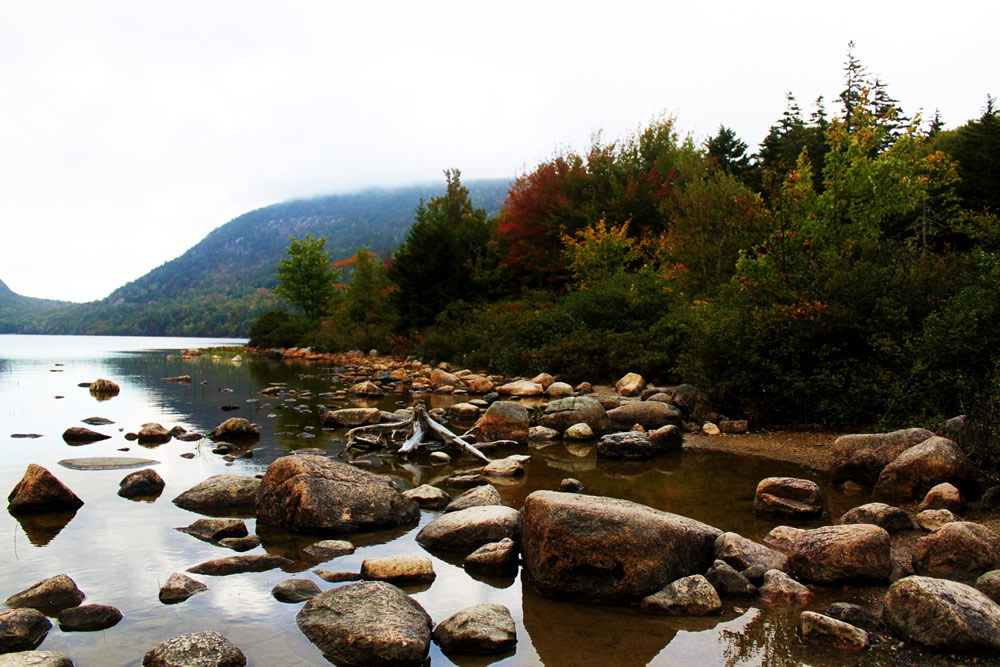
[(989, 585), (35, 659), (627, 445), (240, 543), (482, 628), (236, 564), (40, 491), (153, 434), (218, 493), (650, 415), (688, 596), (329, 549), (399, 569), (819, 629), (142, 483), (468, 529), (571, 485), (295, 590), (861, 457), (367, 623), (944, 496), (180, 587), (781, 590), (917, 469), (337, 577), (728, 582), (506, 467), (351, 417), (235, 430), (788, 497), (494, 558), (608, 550), (22, 629), (942, 614), (579, 431), (892, 519), (934, 519), (52, 594), (478, 496), (503, 420), (565, 412), (742, 553), (854, 614), (212, 530), (631, 384), (103, 389), (89, 618), (313, 494), (202, 648), (835, 553), (466, 481), (429, 497), (667, 438), (78, 435), (956, 550)]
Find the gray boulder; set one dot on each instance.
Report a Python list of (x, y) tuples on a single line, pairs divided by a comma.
[(208, 649), (728, 582), (942, 614), (221, 493), (429, 497), (627, 445), (367, 623), (608, 550), (563, 413), (467, 530), (313, 494), (483, 628)]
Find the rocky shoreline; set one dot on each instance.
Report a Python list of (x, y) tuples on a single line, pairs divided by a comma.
[(929, 538)]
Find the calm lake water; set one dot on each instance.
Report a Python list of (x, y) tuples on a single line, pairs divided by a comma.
[(120, 551)]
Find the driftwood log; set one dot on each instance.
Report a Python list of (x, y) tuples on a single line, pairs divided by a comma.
[(420, 431)]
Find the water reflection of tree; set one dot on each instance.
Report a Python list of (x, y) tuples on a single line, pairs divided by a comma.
[(768, 638)]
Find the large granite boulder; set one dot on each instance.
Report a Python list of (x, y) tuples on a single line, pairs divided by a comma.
[(956, 550), (40, 491), (313, 494), (221, 493), (503, 420), (565, 412), (196, 648), (650, 414), (835, 553), (943, 615), (860, 457), (608, 550), (466, 530), (912, 474), (368, 623), (521, 388)]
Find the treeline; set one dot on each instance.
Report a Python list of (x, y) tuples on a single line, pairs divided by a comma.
[(845, 273)]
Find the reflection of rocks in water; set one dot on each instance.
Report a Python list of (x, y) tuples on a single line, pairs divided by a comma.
[(580, 449), (42, 528), (664, 464), (565, 634), (293, 546)]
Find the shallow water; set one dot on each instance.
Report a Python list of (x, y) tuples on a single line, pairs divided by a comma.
[(120, 551)]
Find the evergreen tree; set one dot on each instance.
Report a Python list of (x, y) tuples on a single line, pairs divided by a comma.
[(729, 153)]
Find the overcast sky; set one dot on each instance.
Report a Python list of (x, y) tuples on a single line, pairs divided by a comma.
[(129, 130)]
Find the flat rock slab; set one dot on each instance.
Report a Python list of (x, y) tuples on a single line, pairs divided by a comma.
[(35, 659), (106, 463), (237, 564)]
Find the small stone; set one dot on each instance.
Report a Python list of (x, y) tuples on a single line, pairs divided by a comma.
[(295, 590), (689, 596), (478, 496), (580, 431), (571, 485), (329, 549), (429, 497), (337, 577), (52, 594), (142, 483), (819, 629), (708, 428), (399, 570), (779, 589), (483, 628), (933, 519), (89, 618), (728, 582), (494, 558), (180, 587)]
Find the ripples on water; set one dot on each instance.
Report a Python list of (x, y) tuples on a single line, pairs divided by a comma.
[(119, 551)]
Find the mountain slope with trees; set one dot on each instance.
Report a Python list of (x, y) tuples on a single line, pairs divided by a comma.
[(223, 284)]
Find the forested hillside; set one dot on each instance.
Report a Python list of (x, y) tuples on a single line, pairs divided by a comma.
[(14, 306), (222, 284)]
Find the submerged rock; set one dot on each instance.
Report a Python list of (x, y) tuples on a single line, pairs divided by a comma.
[(329, 549), (212, 530), (482, 628), (608, 550), (35, 659), (40, 491), (367, 623), (202, 648), (313, 494)]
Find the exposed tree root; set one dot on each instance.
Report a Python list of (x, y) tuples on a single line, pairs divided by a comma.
[(421, 432)]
